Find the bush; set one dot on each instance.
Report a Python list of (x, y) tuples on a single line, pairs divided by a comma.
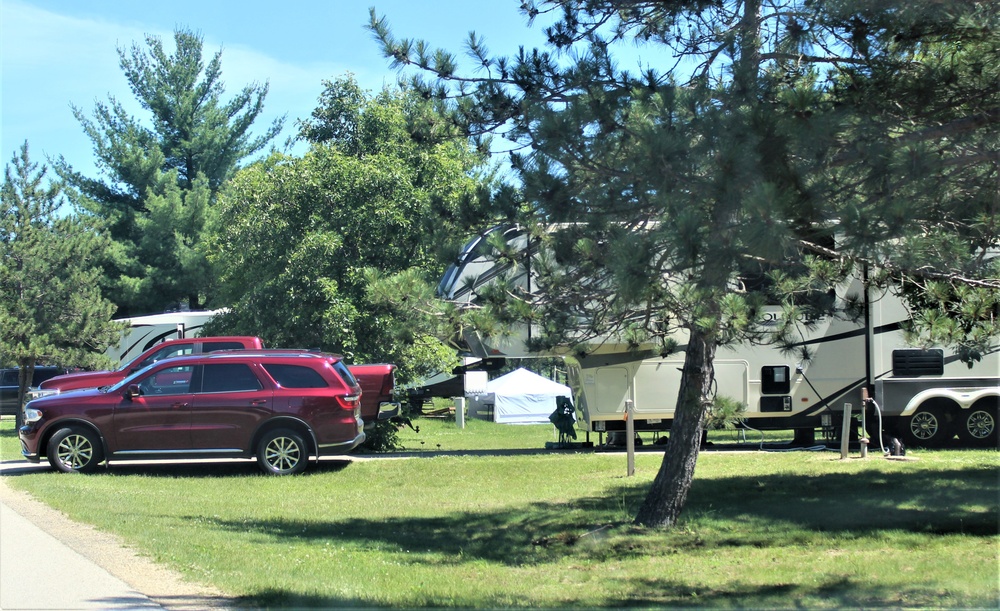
[(725, 413), (384, 437)]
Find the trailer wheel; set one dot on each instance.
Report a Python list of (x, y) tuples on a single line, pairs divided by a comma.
[(927, 427), (979, 424)]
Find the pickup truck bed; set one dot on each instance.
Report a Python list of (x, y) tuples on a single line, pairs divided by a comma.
[(378, 384)]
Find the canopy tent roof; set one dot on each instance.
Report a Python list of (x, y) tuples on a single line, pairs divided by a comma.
[(524, 397)]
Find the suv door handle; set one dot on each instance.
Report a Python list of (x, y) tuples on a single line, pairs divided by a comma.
[(180, 405), (258, 402)]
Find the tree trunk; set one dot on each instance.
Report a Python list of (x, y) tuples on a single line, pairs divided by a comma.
[(668, 494), (25, 372)]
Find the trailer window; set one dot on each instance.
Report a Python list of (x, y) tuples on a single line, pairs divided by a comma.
[(775, 380), (754, 276)]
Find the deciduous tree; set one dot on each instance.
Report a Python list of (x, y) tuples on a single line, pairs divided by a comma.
[(296, 238)]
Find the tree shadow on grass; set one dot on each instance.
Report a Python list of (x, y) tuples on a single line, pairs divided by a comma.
[(942, 502), (777, 511), (279, 598), (948, 501), (222, 469), (836, 593)]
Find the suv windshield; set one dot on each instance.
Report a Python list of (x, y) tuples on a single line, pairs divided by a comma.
[(128, 379)]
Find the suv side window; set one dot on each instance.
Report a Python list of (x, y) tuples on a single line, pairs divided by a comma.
[(169, 381), (44, 374), (166, 351), (228, 377), (345, 373), (9, 378), (295, 376)]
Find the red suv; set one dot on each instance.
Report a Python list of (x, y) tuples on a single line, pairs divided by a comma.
[(174, 347), (282, 408)]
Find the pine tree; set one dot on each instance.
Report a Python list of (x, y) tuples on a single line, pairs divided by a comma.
[(765, 151), (195, 143), (51, 309)]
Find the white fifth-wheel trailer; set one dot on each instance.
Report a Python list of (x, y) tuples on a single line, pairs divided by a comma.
[(144, 332), (923, 396)]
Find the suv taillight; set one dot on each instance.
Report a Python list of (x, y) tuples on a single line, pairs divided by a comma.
[(348, 401)]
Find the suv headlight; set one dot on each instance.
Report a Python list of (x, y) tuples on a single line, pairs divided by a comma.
[(31, 415)]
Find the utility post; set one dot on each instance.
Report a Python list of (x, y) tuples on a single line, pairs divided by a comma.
[(460, 412), (845, 431), (629, 438)]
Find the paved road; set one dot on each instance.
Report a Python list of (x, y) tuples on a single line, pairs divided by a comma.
[(31, 560), (47, 561)]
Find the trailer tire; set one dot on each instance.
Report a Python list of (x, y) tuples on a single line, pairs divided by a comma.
[(927, 427), (979, 424)]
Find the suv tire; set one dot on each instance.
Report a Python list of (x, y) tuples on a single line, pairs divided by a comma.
[(282, 452), (75, 449)]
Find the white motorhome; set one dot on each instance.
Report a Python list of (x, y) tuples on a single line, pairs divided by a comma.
[(144, 332), (923, 396)]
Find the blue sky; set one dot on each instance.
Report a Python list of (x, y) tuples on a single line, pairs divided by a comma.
[(58, 53)]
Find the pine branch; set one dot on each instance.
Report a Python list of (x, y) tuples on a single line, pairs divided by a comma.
[(925, 273)]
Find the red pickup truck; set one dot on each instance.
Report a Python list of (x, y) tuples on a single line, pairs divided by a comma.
[(174, 347), (378, 383)]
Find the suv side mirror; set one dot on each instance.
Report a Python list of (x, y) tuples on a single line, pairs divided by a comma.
[(133, 391)]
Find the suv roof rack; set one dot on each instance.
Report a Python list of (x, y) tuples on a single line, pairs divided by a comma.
[(289, 352)]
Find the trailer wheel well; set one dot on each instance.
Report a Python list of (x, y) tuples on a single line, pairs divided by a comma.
[(987, 403)]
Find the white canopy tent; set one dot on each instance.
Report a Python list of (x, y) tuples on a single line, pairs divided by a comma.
[(524, 397)]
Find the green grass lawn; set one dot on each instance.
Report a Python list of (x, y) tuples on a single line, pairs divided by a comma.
[(551, 529)]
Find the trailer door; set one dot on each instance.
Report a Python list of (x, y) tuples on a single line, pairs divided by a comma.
[(732, 379), (611, 391), (657, 384)]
